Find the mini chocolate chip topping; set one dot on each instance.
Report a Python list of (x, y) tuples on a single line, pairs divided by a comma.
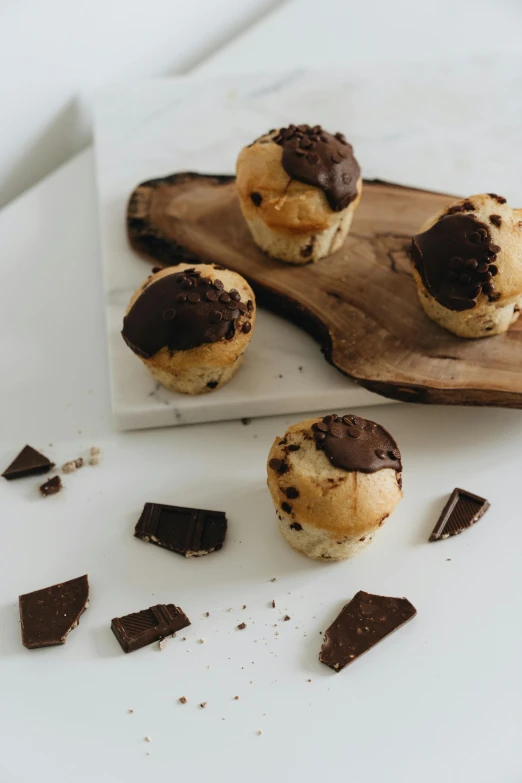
[(355, 444), (315, 157), (456, 261), (182, 311)]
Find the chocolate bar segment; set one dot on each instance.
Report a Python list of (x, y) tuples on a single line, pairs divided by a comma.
[(48, 615), (28, 463), (141, 628), (361, 624), (189, 531), (461, 511)]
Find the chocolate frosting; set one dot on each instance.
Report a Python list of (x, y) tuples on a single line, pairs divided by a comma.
[(315, 157), (183, 311), (456, 261), (356, 444)]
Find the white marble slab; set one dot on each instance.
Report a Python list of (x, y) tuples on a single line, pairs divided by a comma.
[(438, 127)]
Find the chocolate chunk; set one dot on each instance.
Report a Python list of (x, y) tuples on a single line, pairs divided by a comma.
[(454, 241), (292, 493), (136, 630), (461, 511), (198, 318), (257, 199), (48, 615), (317, 158), (28, 463), (287, 508), (51, 487), (187, 531), (296, 526), (361, 624), (355, 444)]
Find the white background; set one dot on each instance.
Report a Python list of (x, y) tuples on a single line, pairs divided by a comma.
[(53, 53)]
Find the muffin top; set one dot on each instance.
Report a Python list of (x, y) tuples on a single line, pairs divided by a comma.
[(184, 310), (315, 157), (469, 253)]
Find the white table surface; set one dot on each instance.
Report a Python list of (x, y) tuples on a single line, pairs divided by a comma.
[(438, 700)]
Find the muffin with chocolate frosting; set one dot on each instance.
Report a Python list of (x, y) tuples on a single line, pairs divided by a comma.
[(191, 325), (298, 189), (467, 263), (334, 481)]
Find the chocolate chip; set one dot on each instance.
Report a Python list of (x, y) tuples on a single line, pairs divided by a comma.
[(212, 296), (471, 263), (329, 418), (235, 295), (293, 447), (181, 298), (300, 153), (336, 158), (212, 384), (246, 328), (486, 276), (292, 493), (494, 248), (336, 431), (488, 288), (194, 298), (312, 158), (380, 453), (475, 238), (250, 305), (296, 526), (180, 278), (346, 178), (456, 263), (319, 436), (169, 314), (454, 276), (219, 285), (354, 433), (227, 315), (257, 198), (307, 250), (215, 317), (242, 307), (499, 199), (233, 305), (186, 283), (493, 269), (224, 298), (465, 279), (305, 143), (321, 426), (286, 507), (348, 419)]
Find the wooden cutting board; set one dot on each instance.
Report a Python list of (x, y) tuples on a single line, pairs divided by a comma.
[(360, 304)]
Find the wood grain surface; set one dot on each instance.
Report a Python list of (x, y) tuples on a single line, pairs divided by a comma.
[(360, 304)]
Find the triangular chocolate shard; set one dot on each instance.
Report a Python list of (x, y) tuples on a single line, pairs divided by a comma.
[(28, 463), (48, 615), (461, 511), (360, 625)]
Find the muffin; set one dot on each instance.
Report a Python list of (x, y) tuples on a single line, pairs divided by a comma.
[(298, 188), (190, 326), (334, 481), (467, 263)]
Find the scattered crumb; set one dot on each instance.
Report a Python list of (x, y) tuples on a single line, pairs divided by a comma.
[(448, 558), (236, 698), (273, 604), (203, 705), (95, 455), (309, 681), (148, 753), (148, 739), (244, 606), (279, 376), (51, 487), (208, 667), (241, 626), (182, 700), (201, 641), (131, 712), (286, 618), (229, 610), (276, 633), (273, 579), (207, 614), (173, 636), (72, 465), (259, 732), (162, 644), (183, 638)]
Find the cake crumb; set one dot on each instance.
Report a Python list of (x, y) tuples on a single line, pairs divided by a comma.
[(241, 626), (162, 644), (259, 732), (203, 705), (72, 465), (182, 700), (131, 712), (236, 698), (148, 739), (201, 641), (244, 606), (273, 579), (286, 618), (95, 455), (207, 614)]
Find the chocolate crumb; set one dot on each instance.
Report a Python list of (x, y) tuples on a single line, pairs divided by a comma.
[(203, 705), (273, 604), (51, 487), (296, 526), (207, 614), (236, 698), (182, 700), (286, 618), (241, 626), (131, 712), (244, 606), (273, 579)]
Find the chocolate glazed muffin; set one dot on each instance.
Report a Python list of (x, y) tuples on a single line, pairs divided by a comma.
[(298, 189), (334, 481), (190, 326), (468, 266)]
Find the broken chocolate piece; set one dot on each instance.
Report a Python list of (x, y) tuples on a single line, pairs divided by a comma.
[(141, 628), (188, 531), (461, 511), (48, 615), (28, 463), (361, 624), (51, 487)]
